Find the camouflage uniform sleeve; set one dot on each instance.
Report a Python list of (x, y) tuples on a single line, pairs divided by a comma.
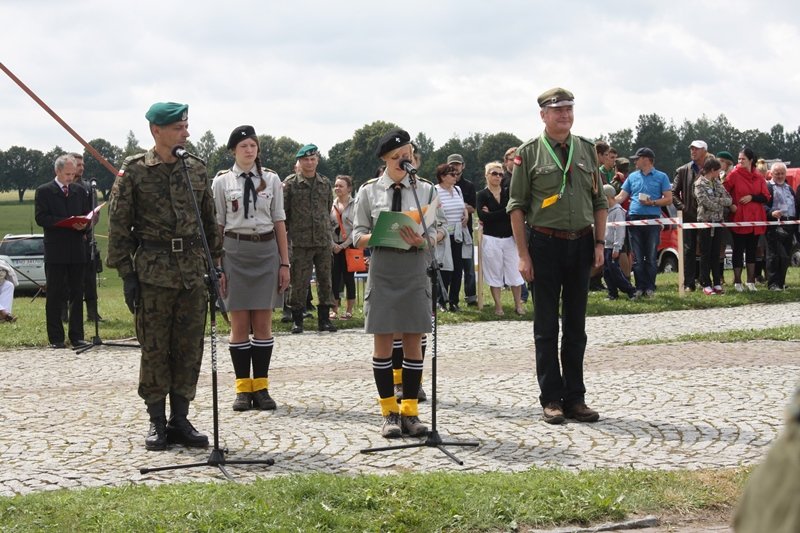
[(121, 242)]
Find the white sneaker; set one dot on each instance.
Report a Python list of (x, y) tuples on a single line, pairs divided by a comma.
[(739, 287), (751, 287)]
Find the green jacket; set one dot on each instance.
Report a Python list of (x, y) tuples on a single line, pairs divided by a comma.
[(308, 202), (150, 204), (536, 178)]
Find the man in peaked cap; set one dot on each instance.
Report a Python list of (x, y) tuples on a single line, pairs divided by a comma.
[(684, 199), (154, 243), (307, 200), (556, 191)]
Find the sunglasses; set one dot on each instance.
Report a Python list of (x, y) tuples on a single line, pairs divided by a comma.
[(495, 173)]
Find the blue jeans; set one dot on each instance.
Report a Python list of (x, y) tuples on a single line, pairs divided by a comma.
[(612, 274), (644, 244)]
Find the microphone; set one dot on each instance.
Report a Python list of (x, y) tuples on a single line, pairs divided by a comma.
[(406, 165), (93, 183), (180, 152)]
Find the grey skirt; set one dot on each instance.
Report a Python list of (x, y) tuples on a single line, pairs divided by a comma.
[(398, 295), (252, 272)]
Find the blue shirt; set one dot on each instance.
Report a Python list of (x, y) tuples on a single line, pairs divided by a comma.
[(654, 184)]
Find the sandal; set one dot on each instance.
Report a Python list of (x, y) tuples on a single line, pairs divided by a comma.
[(347, 316), (332, 315), (8, 317)]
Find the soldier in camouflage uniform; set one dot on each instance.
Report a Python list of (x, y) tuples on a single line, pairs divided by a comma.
[(307, 200), (154, 242), (771, 500)]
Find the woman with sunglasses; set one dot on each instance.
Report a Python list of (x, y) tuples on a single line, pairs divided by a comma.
[(456, 216), (500, 260)]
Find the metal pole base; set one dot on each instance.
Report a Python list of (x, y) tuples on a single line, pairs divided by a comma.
[(433, 441), (217, 458)]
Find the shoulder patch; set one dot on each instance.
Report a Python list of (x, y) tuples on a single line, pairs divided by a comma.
[(517, 160)]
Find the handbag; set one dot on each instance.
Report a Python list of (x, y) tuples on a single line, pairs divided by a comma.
[(356, 262)]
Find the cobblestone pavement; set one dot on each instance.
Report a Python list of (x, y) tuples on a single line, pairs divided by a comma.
[(76, 420)]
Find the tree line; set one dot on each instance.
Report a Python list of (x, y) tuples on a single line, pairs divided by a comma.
[(23, 169)]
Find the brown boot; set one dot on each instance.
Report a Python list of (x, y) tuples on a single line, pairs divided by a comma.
[(553, 413)]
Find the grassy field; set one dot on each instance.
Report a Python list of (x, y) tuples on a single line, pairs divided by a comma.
[(406, 502)]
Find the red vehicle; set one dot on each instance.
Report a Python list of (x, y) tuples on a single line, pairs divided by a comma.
[(668, 250)]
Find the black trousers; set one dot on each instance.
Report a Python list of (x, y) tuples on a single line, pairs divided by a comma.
[(710, 266), (452, 278), (340, 276), (63, 278), (779, 254), (561, 269), (689, 257)]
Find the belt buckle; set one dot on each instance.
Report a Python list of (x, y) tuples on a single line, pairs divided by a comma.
[(177, 245), (255, 237), (572, 235)]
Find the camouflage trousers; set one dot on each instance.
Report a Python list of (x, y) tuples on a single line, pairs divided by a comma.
[(170, 324), (318, 258)]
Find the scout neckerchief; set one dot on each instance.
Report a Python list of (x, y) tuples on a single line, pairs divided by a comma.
[(547, 202)]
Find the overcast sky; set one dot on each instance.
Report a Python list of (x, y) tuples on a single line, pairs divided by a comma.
[(317, 71)]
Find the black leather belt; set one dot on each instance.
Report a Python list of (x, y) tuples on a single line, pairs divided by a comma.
[(252, 237), (562, 234), (177, 245)]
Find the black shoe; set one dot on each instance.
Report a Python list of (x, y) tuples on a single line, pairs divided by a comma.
[(287, 316), (472, 304), (243, 401), (297, 320), (156, 439), (79, 343), (263, 401), (181, 431), (454, 308), (57, 345)]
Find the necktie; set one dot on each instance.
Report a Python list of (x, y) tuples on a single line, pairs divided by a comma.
[(66, 190), (248, 187), (397, 197), (565, 156)]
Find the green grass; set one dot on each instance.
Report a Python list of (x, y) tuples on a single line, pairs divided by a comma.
[(781, 333), (406, 502)]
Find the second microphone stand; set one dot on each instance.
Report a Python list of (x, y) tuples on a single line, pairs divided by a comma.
[(434, 440)]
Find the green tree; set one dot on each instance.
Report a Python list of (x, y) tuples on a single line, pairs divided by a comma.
[(95, 170), (338, 158), (206, 146), (495, 145), (622, 141), (22, 168), (284, 156), (131, 146), (361, 157), (653, 132)]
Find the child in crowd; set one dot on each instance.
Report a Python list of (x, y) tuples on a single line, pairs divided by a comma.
[(615, 237)]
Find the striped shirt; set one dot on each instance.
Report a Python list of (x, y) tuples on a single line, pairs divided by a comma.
[(452, 205)]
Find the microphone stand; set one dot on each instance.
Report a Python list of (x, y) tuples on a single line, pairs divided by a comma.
[(93, 257), (434, 440), (217, 456)]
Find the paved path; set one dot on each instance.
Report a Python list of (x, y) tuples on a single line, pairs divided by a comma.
[(75, 420)]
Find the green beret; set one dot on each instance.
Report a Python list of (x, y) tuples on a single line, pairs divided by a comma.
[(556, 97), (725, 155), (162, 113), (307, 150)]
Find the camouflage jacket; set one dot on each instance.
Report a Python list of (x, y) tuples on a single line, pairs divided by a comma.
[(307, 202), (148, 208)]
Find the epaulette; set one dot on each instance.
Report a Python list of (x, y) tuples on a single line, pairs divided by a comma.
[(290, 177), (429, 182), (223, 171), (373, 180), (134, 157), (526, 143), (265, 169), (584, 139)]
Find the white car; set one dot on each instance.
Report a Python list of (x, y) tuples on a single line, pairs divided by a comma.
[(26, 254)]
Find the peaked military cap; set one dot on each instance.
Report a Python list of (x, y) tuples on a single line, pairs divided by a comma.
[(162, 113), (392, 140), (307, 150), (241, 133), (556, 97)]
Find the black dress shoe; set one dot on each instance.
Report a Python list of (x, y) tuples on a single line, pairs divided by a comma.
[(78, 343), (57, 345)]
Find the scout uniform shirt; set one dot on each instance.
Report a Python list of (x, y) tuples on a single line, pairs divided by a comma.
[(376, 196), (228, 188), (150, 203), (537, 181)]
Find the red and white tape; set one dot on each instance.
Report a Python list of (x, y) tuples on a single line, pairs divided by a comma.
[(700, 225)]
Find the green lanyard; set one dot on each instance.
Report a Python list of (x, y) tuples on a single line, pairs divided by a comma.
[(557, 161)]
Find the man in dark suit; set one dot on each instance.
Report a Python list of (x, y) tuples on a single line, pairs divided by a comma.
[(64, 250)]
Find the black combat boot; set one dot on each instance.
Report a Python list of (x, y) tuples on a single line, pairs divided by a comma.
[(91, 311), (323, 320), (297, 320), (156, 439), (179, 429)]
